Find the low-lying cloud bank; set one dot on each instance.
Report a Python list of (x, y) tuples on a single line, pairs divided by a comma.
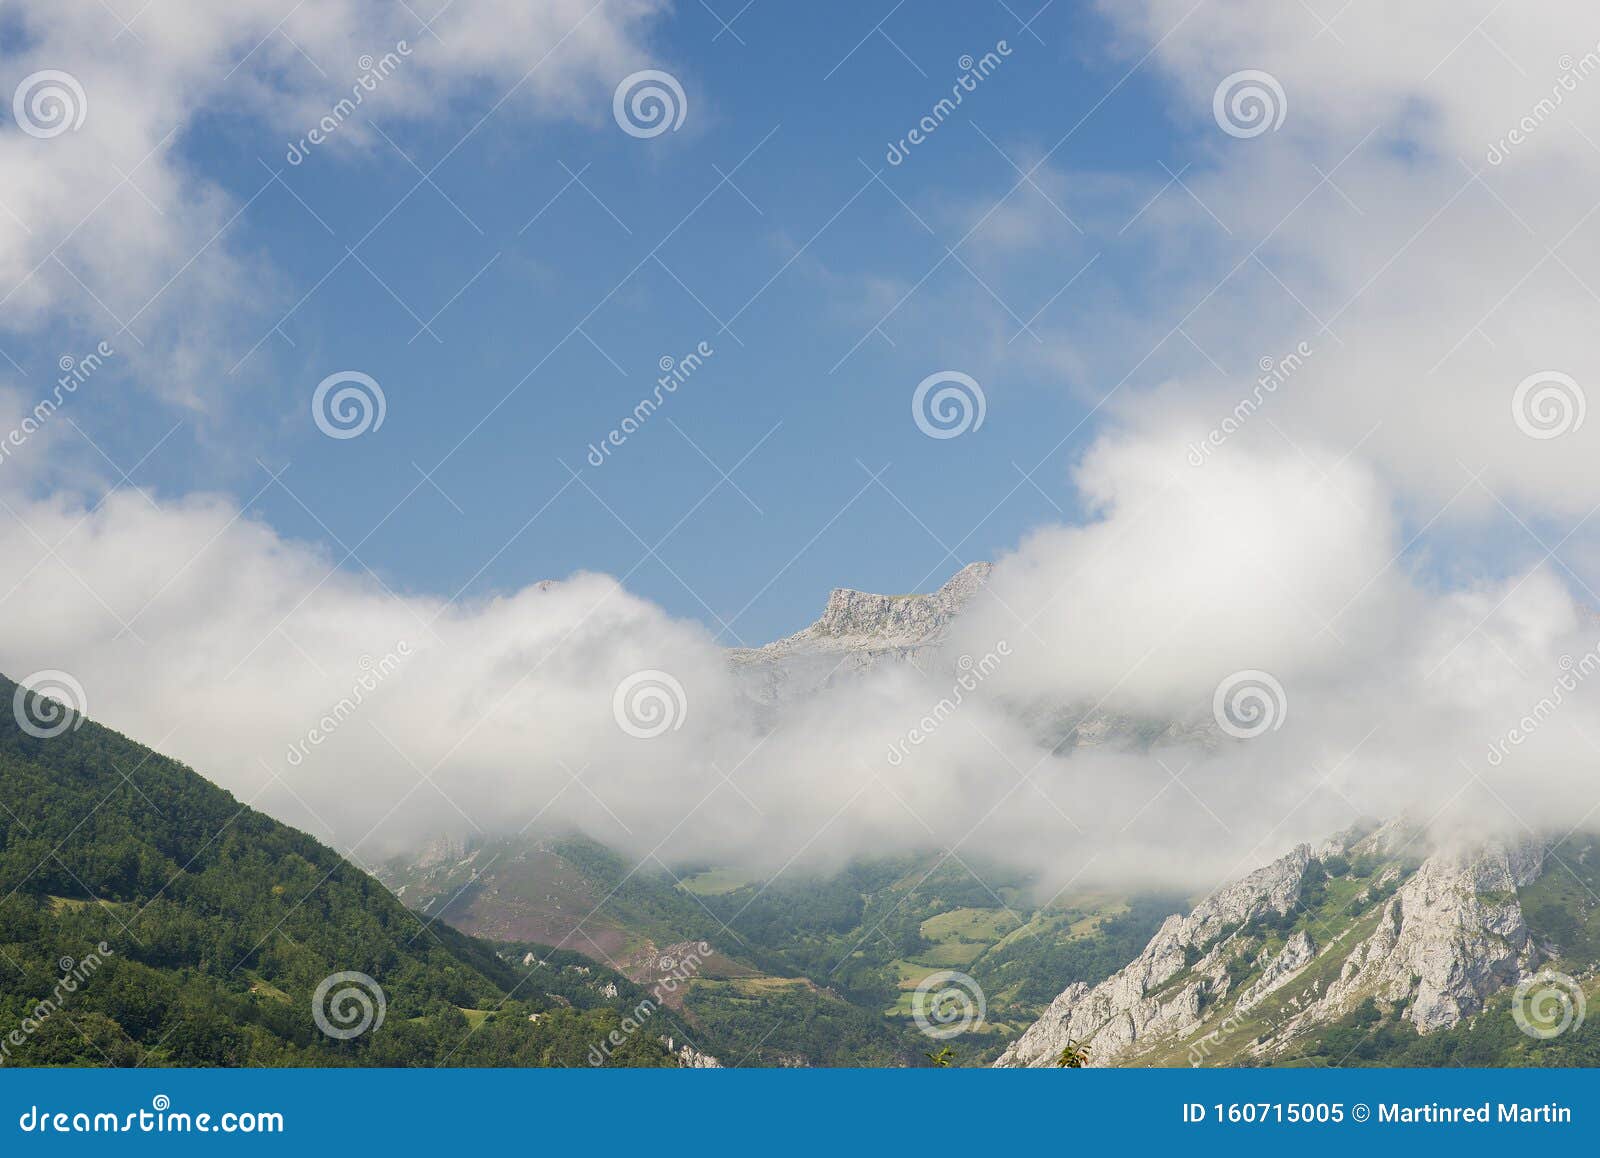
[(1425, 280), (377, 721)]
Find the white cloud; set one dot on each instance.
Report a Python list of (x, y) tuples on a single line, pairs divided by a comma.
[(212, 638), (110, 225), (1430, 281)]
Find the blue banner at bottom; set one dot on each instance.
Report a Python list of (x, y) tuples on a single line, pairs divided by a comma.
[(793, 1111)]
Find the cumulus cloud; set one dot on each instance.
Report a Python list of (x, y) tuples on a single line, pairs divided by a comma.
[(378, 721), (111, 230), (1390, 694), (1392, 221)]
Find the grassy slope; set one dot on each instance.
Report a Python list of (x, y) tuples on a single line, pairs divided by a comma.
[(846, 949)]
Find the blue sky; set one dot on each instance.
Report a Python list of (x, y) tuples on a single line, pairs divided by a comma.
[(519, 248), (1096, 237)]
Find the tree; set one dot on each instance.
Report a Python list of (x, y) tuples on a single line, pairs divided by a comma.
[(1074, 1056)]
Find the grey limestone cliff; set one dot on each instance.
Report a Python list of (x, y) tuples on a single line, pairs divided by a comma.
[(1436, 932)]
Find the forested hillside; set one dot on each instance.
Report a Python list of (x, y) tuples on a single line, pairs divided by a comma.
[(149, 918)]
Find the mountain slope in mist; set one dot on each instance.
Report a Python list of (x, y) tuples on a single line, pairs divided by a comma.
[(1350, 953)]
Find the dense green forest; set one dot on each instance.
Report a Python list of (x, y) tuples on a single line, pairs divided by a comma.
[(218, 924)]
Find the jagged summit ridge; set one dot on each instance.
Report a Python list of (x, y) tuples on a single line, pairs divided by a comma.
[(857, 630), (861, 619)]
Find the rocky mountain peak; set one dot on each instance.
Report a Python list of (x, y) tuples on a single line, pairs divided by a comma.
[(861, 618), (857, 630)]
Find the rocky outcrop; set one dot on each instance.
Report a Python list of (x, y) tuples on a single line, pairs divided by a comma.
[(857, 631), (856, 619), (1282, 969), (690, 1058), (1452, 935), (1164, 991), (1437, 935)]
